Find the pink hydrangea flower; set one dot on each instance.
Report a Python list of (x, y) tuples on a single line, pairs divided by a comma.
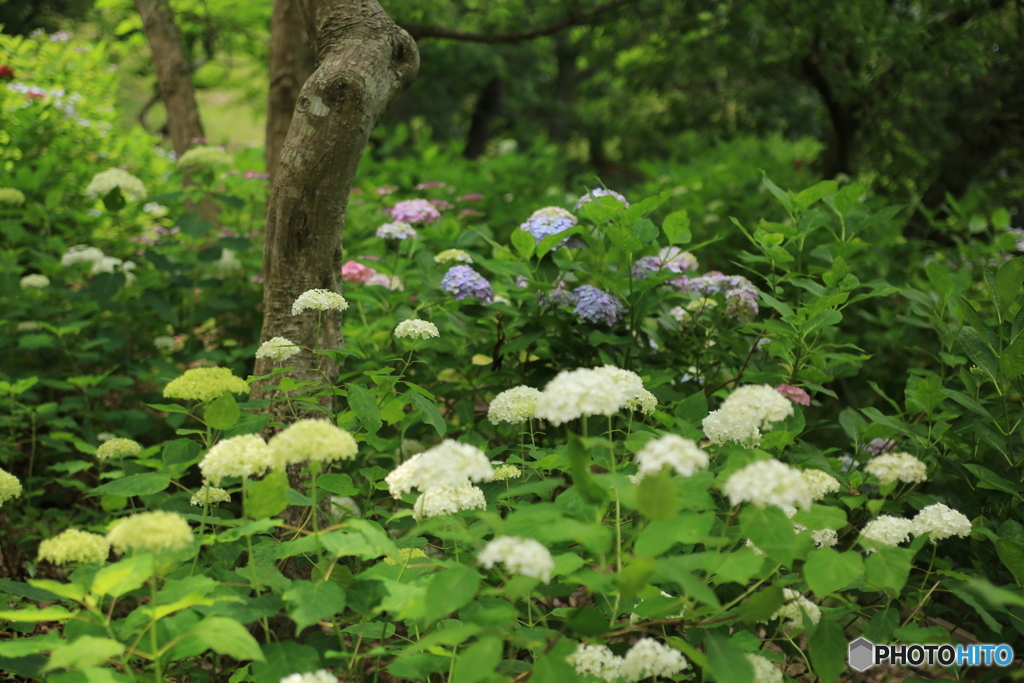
[(429, 185), (794, 394), (353, 271), (442, 204), (472, 197), (385, 189), (415, 211)]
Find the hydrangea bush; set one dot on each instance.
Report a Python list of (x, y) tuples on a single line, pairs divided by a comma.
[(575, 453)]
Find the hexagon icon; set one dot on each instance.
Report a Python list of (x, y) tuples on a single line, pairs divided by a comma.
[(861, 654)]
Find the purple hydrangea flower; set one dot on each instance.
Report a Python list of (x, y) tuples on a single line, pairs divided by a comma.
[(556, 297), (595, 305), (464, 282), (645, 266), (415, 211), (600, 192), (550, 220), (740, 294)]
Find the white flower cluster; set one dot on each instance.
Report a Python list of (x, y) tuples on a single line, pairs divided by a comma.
[(645, 402), (825, 538), (449, 256), (584, 391), (316, 440), (118, 447), (35, 281), (514, 405), (81, 253), (647, 658), (319, 300), (887, 530), (227, 263), (278, 348), (396, 231), (942, 521), (210, 495), (682, 455), (240, 456), (103, 183), (505, 472), (768, 482), (344, 506), (445, 475), (764, 670), (416, 329), (790, 610), (100, 262), (321, 676), (520, 556), (820, 483), (745, 413), (893, 467), (205, 156)]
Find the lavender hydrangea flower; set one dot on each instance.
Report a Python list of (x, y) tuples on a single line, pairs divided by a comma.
[(556, 297), (396, 231), (594, 305), (600, 192), (740, 294), (415, 211), (464, 282), (550, 220)]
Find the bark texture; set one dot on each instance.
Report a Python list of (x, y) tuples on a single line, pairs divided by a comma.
[(173, 74), (292, 61), (364, 61)]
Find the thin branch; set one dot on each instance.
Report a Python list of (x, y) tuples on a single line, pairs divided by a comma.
[(571, 19)]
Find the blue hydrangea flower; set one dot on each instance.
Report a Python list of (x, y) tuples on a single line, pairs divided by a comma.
[(600, 192), (594, 305), (556, 297), (550, 220), (463, 282)]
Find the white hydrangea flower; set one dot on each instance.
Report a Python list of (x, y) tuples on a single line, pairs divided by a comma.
[(768, 482), (450, 463), (514, 405), (103, 183), (790, 610), (107, 264), (520, 556), (321, 676), (449, 256), (649, 658), (887, 530), (645, 402), (210, 495), (682, 455), (820, 483), (764, 670), (35, 281), (577, 393), (745, 413), (942, 521), (319, 300), (278, 348), (309, 439), (228, 262), (164, 343), (398, 230), (628, 381), (81, 253), (29, 326), (118, 448), (155, 210), (409, 447), (416, 329), (240, 456), (825, 538), (505, 472), (345, 506), (893, 467), (447, 500), (595, 660), (10, 486), (205, 156)]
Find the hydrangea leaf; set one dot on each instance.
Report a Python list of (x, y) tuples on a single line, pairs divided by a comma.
[(827, 570), (310, 602)]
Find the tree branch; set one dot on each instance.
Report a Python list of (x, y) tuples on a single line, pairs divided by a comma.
[(571, 19)]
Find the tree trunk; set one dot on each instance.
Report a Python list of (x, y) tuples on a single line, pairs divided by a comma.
[(838, 155), (172, 72), (487, 108), (292, 60), (364, 60)]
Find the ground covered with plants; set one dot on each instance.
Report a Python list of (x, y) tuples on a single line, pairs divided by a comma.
[(710, 426)]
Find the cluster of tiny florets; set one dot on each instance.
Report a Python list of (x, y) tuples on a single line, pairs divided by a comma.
[(578, 393), (682, 455), (156, 531), (514, 405), (103, 183), (465, 283), (791, 609), (596, 306), (416, 329), (205, 384), (746, 411), (321, 676), (118, 448), (10, 486), (415, 211), (205, 156), (887, 530), (278, 348), (243, 456), (647, 658), (319, 300), (34, 281), (893, 467), (820, 483), (74, 545), (548, 221), (316, 440), (523, 556), (941, 521), (398, 230), (450, 463), (447, 500), (449, 256), (768, 482)]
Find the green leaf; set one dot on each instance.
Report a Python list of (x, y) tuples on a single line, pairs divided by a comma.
[(180, 452), (656, 497), (889, 568), (938, 275), (727, 661), (677, 227), (979, 351), (85, 652), (816, 192), (828, 649), (761, 605), (267, 497), (738, 566), (1009, 279), (660, 535), (478, 661), (827, 571), (168, 408), (429, 413), (364, 405), (68, 591), (450, 590), (821, 517), (524, 242), (771, 531), (634, 577), (159, 304), (1011, 360), (644, 230), (582, 479), (310, 602), (987, 479), (223, 412), (126, 575), (33, 614), (1012, 555), (135, 485), (283, 659), (105, 285), (338, 484), (114, 200)]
